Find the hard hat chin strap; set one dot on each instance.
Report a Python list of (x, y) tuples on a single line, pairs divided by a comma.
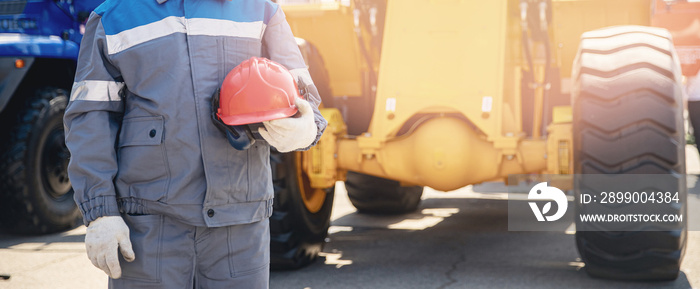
[(303, 88), (239, 136)]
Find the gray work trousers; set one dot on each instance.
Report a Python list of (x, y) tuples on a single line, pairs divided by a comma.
[(170, 254)]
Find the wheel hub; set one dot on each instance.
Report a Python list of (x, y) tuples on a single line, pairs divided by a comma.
[(313, 198), (54, 163)]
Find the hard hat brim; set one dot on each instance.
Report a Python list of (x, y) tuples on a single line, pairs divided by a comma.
[(255, 117)]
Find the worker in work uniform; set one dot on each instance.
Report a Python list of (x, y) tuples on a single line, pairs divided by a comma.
[(167, 201)]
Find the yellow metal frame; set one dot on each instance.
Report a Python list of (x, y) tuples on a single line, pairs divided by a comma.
[(573, 17), (443, 70), (457, 64), (560, 156), (320, 162), (329, 26)]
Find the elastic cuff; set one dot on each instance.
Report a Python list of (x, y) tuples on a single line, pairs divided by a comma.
[(320, 128), (99, 207)]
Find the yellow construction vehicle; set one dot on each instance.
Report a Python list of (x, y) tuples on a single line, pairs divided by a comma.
[(449, 93)]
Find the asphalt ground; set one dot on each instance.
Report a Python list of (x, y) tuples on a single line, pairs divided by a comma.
[(458, 239)]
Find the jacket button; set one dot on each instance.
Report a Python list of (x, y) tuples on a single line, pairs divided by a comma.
[(152, 133), (210, 213)]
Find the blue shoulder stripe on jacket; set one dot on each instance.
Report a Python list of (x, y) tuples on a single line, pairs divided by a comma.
[(239, 11), (121, 15), (100, 9)]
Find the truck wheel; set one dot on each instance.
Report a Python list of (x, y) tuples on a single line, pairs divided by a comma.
[(318, 71), (375, 195), (36, 194), (301, 217), (628, 120)]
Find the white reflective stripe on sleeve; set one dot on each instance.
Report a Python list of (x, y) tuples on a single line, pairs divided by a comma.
[(302, 73), (96, 90), (218, 27), (132, 37)]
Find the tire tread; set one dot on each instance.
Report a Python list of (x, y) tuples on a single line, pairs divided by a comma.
[(627, 118)]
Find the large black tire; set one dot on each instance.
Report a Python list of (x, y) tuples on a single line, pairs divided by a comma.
[(302, 215), (301, 218), (628, 120), (35, 194), (375, 195)]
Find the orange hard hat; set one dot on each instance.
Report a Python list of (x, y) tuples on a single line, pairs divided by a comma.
[(257, 90)]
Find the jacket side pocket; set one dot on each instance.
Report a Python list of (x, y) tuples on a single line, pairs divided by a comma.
[(143, 171), (146, 239)]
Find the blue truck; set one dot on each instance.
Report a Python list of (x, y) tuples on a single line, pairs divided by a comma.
[(39, 43)]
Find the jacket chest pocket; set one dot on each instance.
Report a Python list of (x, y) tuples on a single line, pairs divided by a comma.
[(236, 50), (143, 171)]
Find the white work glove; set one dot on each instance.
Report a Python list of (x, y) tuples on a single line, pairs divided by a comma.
[(291, 133), (103, 236)]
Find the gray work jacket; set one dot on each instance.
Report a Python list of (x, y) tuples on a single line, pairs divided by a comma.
[(138, 122)]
